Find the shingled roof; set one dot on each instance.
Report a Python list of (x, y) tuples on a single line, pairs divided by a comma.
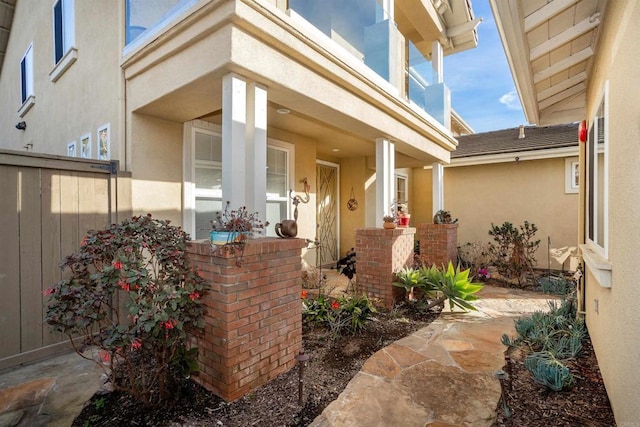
[(508, 141)]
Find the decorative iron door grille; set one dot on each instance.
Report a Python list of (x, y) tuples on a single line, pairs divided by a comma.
[(327, 213)]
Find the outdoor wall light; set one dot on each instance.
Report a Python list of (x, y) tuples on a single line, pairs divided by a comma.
[(21, 125)]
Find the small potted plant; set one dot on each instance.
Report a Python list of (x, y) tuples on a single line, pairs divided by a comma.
[(235, 226), (403, 215), (389, 222)]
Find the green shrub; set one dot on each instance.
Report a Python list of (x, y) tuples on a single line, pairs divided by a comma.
[(143, 262), (556, 285), (548, 371), (346, 314), (514, 249)]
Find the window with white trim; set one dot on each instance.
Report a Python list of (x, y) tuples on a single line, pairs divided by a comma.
[(207, 179), (279, 169), (27, 98), (63, 28), (402, 193), (597, 177)]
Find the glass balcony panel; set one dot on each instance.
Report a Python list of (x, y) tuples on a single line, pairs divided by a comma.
[(145, 14), (363, 28)]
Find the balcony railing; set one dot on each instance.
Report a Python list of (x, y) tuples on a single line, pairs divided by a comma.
[(363, 28)]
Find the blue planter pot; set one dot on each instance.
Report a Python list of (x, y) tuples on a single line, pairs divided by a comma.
[(223, 237)]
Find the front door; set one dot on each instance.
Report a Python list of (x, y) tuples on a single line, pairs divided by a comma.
[(327, 212)]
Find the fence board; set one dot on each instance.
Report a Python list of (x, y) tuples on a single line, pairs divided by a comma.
[(30, 259), (9, 263), (51, 253), (48, 204)]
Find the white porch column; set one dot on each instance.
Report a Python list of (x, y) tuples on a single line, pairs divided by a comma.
[(438, 187), (437, 62), (385, 165), (234, 125), (256, 165), (244, 144)]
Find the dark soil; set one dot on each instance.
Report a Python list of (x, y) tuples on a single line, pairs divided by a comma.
[(332, 364), (585, 404)]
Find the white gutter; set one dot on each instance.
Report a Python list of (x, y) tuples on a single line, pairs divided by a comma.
[(483, 159)]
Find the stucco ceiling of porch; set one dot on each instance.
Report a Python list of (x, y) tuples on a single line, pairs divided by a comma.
[(550, 46), (336, 135)]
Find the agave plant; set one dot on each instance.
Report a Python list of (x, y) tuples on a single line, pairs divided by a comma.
[(450, 284)]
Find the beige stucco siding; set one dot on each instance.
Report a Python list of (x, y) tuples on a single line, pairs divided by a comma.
[(517, 191), (612, 314), (88, 94), (156, 185)]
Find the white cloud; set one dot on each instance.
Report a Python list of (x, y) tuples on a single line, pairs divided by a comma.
[(511, 100)]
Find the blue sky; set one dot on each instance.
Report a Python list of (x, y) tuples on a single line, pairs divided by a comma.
[(482, 89)]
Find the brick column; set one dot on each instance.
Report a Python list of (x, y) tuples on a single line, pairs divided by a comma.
[(381, 253), (253, 326), (438, 243)]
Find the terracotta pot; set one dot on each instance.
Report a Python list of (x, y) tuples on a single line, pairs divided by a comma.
[(389, 225)]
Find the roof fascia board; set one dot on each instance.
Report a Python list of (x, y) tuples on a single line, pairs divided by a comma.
[(551, 153)]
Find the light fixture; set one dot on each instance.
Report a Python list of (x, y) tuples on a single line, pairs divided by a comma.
[(21, 125), (335, 150), (283, 111)]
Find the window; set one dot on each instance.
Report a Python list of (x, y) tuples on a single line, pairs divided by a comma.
[(279, 169), (597, 178), (208, 179), (27, 99), (64, 39), (63, 28), (571, 175), (401, 189), (206, 198)]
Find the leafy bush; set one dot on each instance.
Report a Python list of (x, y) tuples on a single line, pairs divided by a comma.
[(346, 314), (440, 285), (141, 261), (514, 250), (552, 337)]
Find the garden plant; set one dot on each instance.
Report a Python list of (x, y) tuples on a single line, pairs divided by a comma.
[(514, 249), (130, 292)]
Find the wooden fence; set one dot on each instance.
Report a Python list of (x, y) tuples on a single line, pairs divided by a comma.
[(47, 204)]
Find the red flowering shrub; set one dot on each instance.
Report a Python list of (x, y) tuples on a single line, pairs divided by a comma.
[(141, 265)]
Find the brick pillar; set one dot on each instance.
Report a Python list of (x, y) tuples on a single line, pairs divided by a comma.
[(439, 243), (381, 253), (253, 326)]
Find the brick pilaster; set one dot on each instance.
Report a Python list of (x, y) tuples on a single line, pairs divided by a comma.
[(380, 254), (253, 326), (439, 243)]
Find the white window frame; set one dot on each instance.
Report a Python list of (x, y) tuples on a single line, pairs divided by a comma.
[(602, 250), (68, 54), (405, 178), (570, 166), (27, 97), (189, 164)]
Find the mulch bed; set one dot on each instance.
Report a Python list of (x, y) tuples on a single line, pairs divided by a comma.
[(332, 364)]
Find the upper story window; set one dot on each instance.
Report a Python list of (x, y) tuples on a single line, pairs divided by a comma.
[(64, 39), (27, 98), (63, 28), (598, 177), (145, 18)]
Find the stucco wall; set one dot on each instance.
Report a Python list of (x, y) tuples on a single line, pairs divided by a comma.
[(354, 173), (156, 184), (86, 96), (515, 192), (612, 314)]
